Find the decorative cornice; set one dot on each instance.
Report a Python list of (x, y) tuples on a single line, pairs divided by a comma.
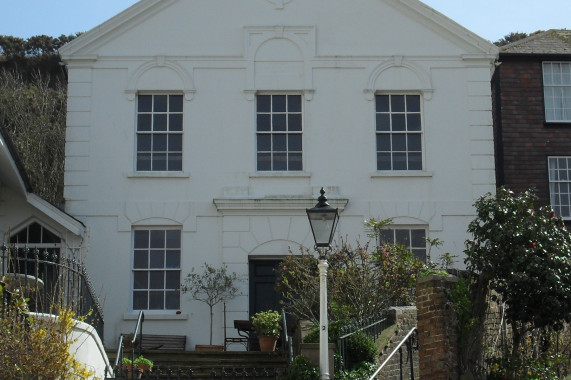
[(296, 206)]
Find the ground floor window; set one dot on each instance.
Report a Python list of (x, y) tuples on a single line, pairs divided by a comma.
[(156, 269), (412, 238), (560, 185)]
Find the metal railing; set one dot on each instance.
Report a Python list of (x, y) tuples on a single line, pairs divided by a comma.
[(371, 326), (222, 373), (408, 339), (50, 281), (287, 343), (123, 371)]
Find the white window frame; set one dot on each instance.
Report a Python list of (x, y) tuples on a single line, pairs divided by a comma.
[(557, 91), (411, 136), (273, 134), (560, 185), (139, 268), (420, 250), (172, 134)]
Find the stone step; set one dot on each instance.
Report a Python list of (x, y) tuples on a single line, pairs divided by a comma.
[(202, 364)]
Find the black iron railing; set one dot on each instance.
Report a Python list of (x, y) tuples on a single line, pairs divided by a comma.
[(287, 340), (371, 326), (222, 373), (50, 281), (122, 369), (409, 339)]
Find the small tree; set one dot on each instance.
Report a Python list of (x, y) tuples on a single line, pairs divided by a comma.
[(361, 281), (524, 254), (212, 286)]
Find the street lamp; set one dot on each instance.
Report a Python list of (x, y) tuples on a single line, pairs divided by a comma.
[(323, 220)]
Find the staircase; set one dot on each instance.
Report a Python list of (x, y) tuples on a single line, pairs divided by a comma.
[(204, 363)]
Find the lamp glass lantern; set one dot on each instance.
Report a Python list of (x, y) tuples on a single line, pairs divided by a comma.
[(323, 220)]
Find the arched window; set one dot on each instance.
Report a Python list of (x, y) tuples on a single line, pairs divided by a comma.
[(33, 251)]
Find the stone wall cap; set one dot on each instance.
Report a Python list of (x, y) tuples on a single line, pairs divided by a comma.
[(403, 308), (437, 277)]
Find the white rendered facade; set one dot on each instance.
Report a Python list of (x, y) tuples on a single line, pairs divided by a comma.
[(220, 61)]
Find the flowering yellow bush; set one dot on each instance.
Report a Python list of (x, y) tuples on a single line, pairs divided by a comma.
[(38, 348)]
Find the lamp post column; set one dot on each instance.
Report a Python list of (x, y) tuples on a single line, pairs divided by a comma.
[(323, 220), (323, 324)]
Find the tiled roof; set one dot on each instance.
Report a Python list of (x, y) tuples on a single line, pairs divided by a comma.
[(553, 41)]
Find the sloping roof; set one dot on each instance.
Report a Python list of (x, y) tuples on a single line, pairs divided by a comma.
[(11, 168), (144, 8), (553, 41), (14, 177)]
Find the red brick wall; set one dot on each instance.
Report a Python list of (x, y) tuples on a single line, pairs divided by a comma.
[(437, 332), (520, 123)]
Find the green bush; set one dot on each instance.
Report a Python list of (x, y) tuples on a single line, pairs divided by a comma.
[(302, 368), (544, 369), (363, 371), (361, 349)]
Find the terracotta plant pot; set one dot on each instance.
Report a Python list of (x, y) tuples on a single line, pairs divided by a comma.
[(267, 343), (131, 372)]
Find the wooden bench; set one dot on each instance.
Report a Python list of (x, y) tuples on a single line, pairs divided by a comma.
[(163, 342)]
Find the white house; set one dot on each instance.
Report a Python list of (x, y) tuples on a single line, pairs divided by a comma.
[(27, 220), (200, 131)]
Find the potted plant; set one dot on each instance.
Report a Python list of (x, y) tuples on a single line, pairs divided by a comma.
[(127, 363), (135, 369), (127, 367), (144, 364), (212, 286), (266, 324)]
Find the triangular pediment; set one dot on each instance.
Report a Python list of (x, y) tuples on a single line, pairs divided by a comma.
[(180, 27)]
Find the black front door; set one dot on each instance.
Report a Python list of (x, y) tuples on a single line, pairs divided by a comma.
[(262, 283)]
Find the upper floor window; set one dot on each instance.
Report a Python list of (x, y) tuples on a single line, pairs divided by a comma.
[(279, 133), (399, 132), (557, 91), (412, 238), (156, 269), (159, 132), (560, 185)]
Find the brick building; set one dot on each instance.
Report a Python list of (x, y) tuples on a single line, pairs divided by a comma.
[(532, 117)]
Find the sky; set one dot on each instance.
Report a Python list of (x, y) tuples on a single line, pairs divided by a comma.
[(490, 19)]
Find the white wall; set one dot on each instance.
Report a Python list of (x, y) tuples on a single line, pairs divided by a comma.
[(338, 54), (86, 346)]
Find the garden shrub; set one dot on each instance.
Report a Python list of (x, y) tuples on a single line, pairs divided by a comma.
[(33, 347), (360, 372), (519, 258), (302, 368), (361, 349)]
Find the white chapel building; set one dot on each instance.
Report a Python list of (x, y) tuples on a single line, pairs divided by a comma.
[(200, 131)]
